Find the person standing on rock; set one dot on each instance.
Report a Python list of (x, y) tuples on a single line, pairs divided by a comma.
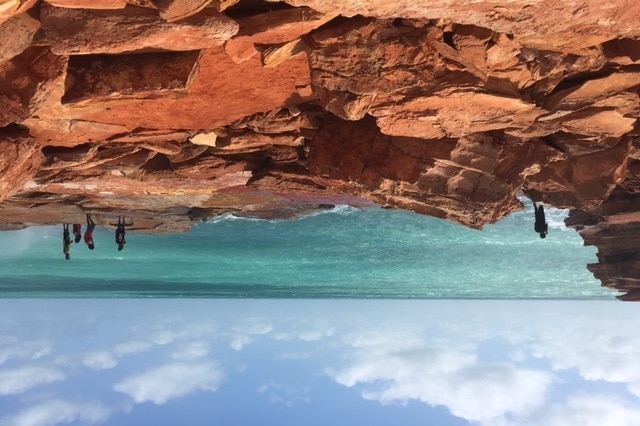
[(88, 234), (120, 240), (77, 232), (66, 241), (540, 225)]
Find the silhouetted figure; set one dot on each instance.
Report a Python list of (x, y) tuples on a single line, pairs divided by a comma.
[(120, 240), (541, 225), (77, 232), (66, 241), (88, 234)]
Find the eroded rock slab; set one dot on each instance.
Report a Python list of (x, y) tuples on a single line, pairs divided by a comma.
[(25, 82), (566, 26), (99, 78), (272, 28), (176, 10), (17, 33), (89, 4), (82, 32), (20, 160)]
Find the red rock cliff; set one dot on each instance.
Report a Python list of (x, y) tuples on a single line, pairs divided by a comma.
[(175, 111)]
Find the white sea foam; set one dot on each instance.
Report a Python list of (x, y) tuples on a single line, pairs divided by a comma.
[(555, 217), (341, 209), (232, 217)]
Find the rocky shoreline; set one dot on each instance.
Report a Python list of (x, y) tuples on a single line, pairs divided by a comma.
[(178, 111)]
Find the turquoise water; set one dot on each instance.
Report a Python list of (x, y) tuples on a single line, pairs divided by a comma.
[(343, 253)]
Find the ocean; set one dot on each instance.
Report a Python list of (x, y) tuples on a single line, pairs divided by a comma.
[(341, 253)]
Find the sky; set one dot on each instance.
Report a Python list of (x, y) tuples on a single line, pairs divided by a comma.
[(318, 362)]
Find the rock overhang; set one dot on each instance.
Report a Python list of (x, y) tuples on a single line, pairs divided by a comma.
[(447, 109)]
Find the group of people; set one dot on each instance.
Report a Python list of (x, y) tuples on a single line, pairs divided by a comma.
[(540, 226), (88, 235)]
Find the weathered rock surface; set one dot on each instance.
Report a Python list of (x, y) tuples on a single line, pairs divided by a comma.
[(175, 10), (272, 28), (18, 32), (20, 157), (89, 4), (81, 32), (172, 112), (570, 25), (10, 8), (26, 81)]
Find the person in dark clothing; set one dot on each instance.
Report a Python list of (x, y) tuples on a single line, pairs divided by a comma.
[(540, 225), (120, 240), (66, 241), (88, 235), (77, 232)]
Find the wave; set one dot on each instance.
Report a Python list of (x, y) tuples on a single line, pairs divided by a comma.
[(557, 221), (340, 209), (231, 217), (555, 217)]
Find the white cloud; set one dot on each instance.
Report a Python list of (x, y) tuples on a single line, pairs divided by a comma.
[(171, 381), (101, 360), (293, 356), (57, 411), (163, 337), (592, 342), (585, 338), (475, 391), (483, 393), (238, 342), (634, 389), (191, 350), (307, 331), (590, 410), (305, 336), (315, 335), (131, 348), (396, 363), (284, 394), (21, 380), (178, 330), (245, 333), (15, 349)]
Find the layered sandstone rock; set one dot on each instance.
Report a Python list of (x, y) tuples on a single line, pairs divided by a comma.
[(568, 26), (175, 111), (80, 32), (272, 28)]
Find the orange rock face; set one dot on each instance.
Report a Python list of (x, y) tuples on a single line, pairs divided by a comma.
[(79, 32), (176, 111)]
